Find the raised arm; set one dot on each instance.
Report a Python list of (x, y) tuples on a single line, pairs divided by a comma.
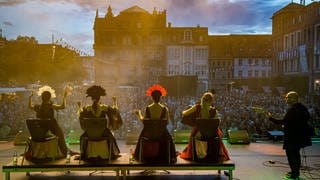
[(30, 104), (139, 114), (189, 111), (64, 101), (115, 104), (274, 120), (167, 115)]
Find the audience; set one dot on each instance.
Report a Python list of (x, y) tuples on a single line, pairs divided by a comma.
[(235, 109)]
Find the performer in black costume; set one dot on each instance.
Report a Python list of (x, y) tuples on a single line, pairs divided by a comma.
[(46, 110), (157, 111), (99, 110), (297, 133)]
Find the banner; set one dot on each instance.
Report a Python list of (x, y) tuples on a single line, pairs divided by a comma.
[(303, 58)]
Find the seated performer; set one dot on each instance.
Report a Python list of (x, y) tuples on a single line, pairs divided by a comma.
[(46, 109), (157, 111), (204, 110), (99, 110)]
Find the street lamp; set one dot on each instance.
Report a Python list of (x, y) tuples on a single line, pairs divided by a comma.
[(53, 51), (54, 46)]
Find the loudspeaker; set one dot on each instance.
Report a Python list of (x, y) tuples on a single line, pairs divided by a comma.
[(21, 138), (181, 136), (132, 138), (238, 137), (74, 136), (275, 135)]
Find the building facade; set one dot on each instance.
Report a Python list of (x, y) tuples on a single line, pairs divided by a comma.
[(129, 47), (137, 47), (296, 44), (239, 58), (187, 53)]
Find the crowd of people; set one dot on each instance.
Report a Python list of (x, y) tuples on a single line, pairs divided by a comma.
[(235, 110), (257, 113)]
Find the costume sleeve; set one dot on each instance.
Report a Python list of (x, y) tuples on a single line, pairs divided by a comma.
[(115, 120), (62, 105), (36, 108), (218, 115), (189, 116), (189, 111), (167, 114), (82, 113), (276, 121)]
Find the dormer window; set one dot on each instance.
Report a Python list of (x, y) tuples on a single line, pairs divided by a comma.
[(187, 35)]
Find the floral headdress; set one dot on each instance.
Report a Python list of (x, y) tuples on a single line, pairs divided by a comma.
[(156, 87), (47, 88)]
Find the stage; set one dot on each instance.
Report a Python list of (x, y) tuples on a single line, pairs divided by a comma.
[(263, 160)]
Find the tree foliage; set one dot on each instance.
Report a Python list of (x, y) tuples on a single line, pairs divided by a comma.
[(24, 60)]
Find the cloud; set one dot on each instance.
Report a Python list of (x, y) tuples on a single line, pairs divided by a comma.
[(7, 23), (73, 19), (224, 16)]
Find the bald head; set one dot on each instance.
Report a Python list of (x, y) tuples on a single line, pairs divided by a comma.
[(292, 97)]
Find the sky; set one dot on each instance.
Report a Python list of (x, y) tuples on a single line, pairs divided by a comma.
[(71, 21)]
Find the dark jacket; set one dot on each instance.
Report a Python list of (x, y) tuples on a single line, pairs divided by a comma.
[(297, 132)]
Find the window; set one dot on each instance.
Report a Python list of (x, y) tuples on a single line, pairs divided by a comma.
[(256, 73), (187, 53), (240, 62), (200, 53), (187, 35), (240, 74), (256, 62), (176, 53), (126, 40), (187, 68)]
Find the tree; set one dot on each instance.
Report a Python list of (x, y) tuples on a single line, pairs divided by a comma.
[(27, 39), (26, 61)]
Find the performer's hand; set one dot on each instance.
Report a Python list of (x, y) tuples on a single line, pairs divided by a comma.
[(115, 104), (258, 110), (67, 90), (137, 112), (31, 94), (268, 114), (79, 104)]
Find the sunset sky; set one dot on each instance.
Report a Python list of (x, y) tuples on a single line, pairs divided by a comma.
[(73, 20)]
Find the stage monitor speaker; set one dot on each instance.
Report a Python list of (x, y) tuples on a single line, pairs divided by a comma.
[(181, 136), (276, 135), (132, 138), (238, 137), (21, 138), (73, 136)]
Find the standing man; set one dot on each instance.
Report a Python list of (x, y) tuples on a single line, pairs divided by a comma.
[(297, 133)]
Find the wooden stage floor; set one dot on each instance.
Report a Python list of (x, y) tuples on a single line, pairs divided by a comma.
[(263, 160)]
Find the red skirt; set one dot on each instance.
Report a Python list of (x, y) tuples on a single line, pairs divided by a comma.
[(187, 152)]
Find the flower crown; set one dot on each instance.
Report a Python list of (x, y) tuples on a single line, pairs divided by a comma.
[(156, 87), (47, 88)]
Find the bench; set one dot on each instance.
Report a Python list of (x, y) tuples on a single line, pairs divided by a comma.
[(121, 166)]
